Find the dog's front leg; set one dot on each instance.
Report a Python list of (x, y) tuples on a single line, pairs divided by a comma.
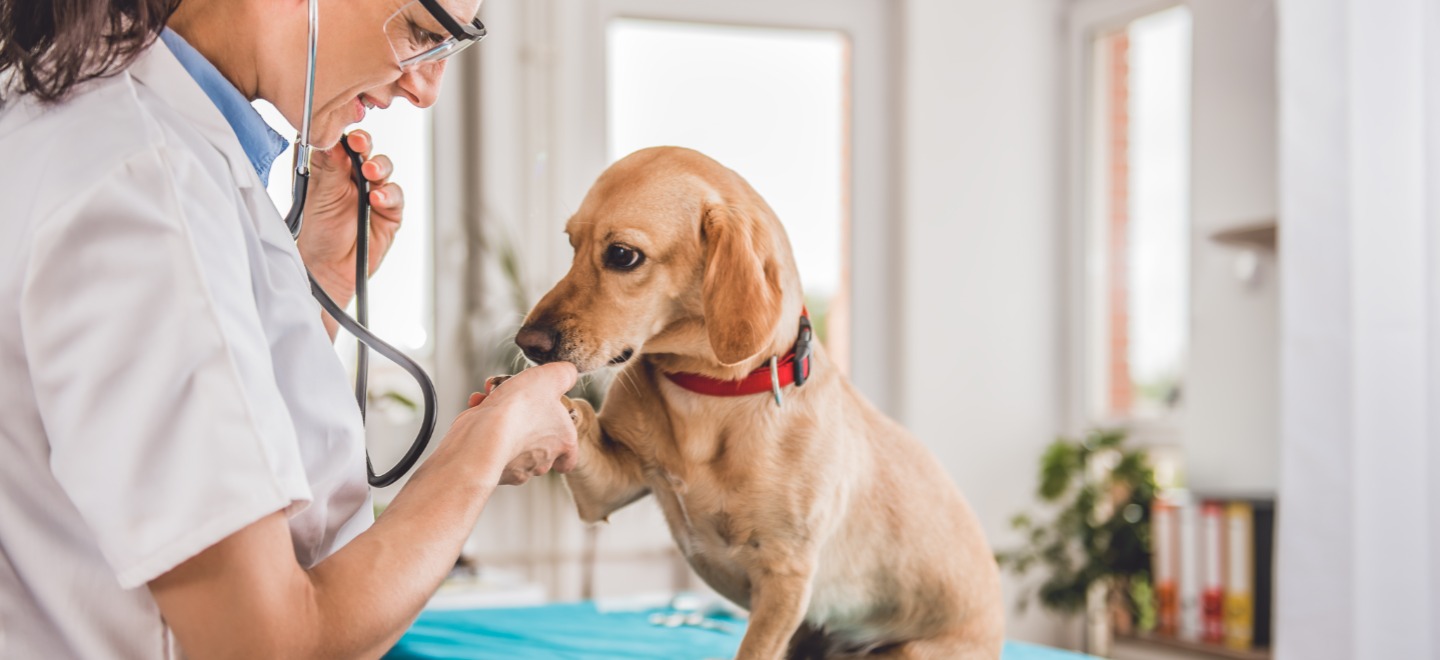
[(607, 475), (779, 597)]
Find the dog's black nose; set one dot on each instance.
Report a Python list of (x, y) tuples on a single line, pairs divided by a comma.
[(539, 344)]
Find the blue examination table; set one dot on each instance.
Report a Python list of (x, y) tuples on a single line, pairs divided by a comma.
[(579, 631)]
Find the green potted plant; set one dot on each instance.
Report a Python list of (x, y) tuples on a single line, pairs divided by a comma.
[(1094, 548)]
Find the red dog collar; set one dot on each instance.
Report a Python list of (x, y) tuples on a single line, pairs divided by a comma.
[(777, 373)]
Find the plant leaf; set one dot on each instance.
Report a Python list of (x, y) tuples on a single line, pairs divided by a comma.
[(1058, 466)]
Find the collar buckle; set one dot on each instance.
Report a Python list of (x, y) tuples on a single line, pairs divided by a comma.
[(804, 348), (775, 381)]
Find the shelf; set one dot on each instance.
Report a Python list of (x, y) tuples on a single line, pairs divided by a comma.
[(1264, 234), (1193, 649)]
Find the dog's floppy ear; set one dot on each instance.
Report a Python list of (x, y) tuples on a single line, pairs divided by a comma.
[(741, 290)]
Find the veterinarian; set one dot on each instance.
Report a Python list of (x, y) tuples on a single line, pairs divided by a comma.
[(184, 464)]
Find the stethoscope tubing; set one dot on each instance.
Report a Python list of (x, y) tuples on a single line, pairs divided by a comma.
[(427, 388), (367, 341), (359, 326)]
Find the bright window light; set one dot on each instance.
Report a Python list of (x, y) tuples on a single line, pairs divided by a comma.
[(771, 104), (1141, 148)]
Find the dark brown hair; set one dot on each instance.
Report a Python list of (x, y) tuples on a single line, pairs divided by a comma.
[(47, 47)]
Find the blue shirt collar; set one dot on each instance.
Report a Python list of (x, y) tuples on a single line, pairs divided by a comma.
[(261, 143)]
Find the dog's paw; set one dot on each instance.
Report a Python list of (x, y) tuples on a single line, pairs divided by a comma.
[(581, 412)]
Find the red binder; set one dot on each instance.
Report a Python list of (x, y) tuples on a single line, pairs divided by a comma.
[(1165, 532), (1212, 586)]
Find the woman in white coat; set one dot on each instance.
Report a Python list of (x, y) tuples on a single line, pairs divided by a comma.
[(183, 468)]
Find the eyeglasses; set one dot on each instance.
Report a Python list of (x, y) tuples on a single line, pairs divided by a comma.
[(416, 35)]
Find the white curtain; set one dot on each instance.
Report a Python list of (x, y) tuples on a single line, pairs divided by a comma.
[(1358, 563)]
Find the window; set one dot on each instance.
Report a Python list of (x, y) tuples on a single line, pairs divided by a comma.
[(1139, 228), (771, 104)]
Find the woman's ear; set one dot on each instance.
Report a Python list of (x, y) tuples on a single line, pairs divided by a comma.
[(741, 289)]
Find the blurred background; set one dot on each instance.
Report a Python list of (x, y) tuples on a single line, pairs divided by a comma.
[(1016, 221)]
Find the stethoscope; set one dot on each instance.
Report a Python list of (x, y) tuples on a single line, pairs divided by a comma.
[(356, 326)]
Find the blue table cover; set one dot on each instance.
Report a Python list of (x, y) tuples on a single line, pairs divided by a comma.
[(578, 631)]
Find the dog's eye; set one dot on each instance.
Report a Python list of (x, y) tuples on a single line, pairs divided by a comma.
[(621, 257)]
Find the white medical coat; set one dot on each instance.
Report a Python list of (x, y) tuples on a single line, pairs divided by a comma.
[(165, 379)]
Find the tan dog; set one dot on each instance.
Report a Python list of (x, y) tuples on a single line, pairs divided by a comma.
[(828, 521)]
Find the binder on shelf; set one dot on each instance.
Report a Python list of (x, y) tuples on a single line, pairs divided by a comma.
[(1264, 545), (1212, 576), (1164, 532), (1239, 583), (1191, 627)]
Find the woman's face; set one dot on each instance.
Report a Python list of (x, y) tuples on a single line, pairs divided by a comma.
[(358, 61)]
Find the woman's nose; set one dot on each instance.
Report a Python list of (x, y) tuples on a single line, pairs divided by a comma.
[(421, 83)]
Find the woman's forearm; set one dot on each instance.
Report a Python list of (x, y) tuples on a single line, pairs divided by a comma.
[(247, 597), (369, 592)]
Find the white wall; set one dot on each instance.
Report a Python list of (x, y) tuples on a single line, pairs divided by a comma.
[(1230, 428), (980, 181)]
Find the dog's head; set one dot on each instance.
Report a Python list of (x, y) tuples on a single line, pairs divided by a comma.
[(675, 255)]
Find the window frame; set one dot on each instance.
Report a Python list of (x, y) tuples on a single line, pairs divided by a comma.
[(1086, 20)]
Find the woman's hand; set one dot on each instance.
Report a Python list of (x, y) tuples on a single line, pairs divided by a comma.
[(327, 241), (527, 423)]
